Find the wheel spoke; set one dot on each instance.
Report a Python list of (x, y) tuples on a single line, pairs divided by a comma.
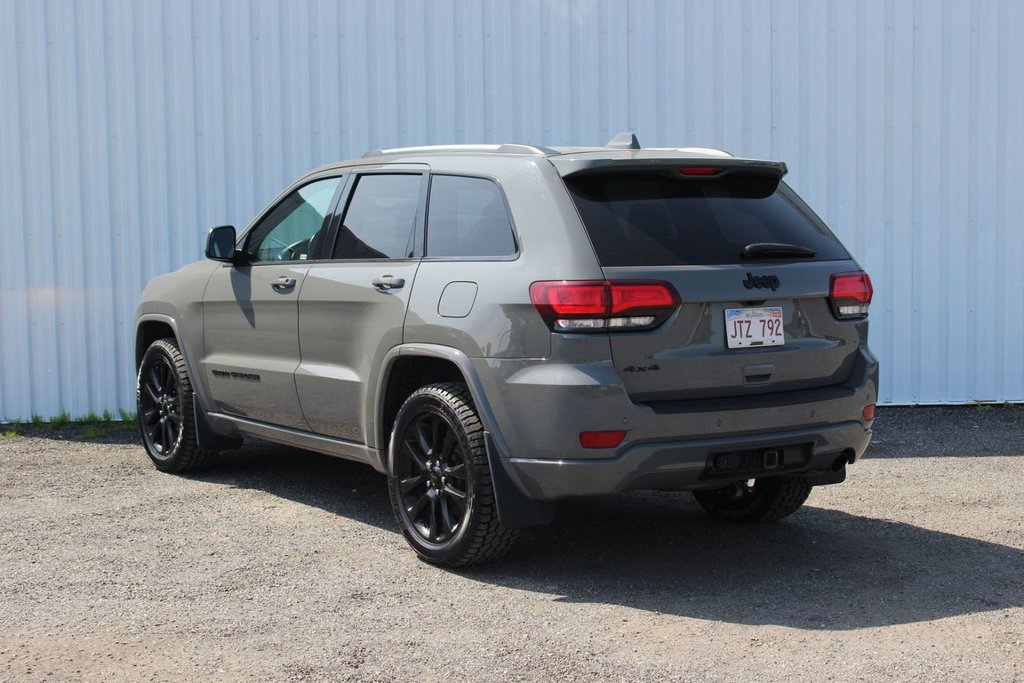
[(153, 392), (154, 379), (455, 494), (418, 506), (158, 435), (422, 438), (410, 483), (435, 435), (448, 445), (148, 415), (446, 518), (435, 504), (167, 440), (168, 378), (457, 471), (410, 452), (174, 417)]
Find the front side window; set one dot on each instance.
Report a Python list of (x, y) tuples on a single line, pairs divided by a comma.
[(290, 231), (381, 218), (467, 218)]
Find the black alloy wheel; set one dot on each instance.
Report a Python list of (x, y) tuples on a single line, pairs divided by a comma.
[(434, 478), (439, 478), (160, 407), (165, 405)]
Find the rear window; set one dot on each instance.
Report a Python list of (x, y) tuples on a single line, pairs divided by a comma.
[(652, 219)]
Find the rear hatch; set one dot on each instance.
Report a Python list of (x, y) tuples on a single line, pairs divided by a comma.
[(752, 266)]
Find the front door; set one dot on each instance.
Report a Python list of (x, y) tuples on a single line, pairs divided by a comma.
[(250, 312), (352, 305)]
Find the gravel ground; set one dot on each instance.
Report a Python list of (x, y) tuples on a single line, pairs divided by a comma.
[(285, 565)]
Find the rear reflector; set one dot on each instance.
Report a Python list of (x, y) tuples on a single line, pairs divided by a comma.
[(850, 295), (600, 305), (601, 439), (869, 413)]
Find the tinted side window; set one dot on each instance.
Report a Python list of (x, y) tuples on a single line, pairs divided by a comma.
[(467, 217), (652, 219), (290, 229), (380, 218)]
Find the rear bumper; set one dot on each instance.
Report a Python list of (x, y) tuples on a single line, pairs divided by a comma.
[(684, 464), (544, 406)]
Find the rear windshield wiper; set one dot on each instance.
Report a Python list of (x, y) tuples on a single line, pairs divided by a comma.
[(776, 249)]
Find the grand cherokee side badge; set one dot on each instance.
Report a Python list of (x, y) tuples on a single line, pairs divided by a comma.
[(761, 282)]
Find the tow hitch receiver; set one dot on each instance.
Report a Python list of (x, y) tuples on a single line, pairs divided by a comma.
[(758, 460)]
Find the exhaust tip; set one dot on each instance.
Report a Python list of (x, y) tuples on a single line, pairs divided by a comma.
[(840, 462)]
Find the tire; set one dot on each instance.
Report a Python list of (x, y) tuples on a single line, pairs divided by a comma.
[(439, 480), (163, 398), (767, 500)]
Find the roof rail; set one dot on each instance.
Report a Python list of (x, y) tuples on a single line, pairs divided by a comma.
[(533, 150)]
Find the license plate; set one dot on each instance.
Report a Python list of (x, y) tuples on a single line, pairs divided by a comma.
[(745, 327)]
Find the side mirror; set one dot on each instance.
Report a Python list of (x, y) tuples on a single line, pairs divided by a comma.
[(220, 244)]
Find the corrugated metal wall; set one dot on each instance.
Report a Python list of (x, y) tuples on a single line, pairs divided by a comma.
[(129, 127)]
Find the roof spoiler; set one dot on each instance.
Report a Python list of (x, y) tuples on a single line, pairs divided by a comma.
[(654, 161)]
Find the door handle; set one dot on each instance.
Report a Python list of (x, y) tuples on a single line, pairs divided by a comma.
[(388, 282), (283, 282)]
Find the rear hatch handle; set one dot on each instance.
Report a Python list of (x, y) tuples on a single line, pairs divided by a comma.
[(755, 375)]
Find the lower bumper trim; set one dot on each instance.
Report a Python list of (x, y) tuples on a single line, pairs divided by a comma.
[(683, 464)]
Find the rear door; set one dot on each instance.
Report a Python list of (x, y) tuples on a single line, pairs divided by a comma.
[(694, 229), (250, 312), (353, 302)]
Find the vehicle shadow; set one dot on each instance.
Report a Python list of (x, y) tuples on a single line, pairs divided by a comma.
[(338, 486), (820, 569)]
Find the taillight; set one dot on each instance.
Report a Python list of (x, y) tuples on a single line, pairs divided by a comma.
[(602, 306), (850, 295)]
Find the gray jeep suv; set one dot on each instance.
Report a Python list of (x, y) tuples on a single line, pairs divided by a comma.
[(497, 327)]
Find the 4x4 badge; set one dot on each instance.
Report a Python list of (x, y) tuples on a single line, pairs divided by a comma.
[(761, 282)]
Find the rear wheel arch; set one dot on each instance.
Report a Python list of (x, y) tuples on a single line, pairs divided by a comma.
[(419, 365), (404, 374)]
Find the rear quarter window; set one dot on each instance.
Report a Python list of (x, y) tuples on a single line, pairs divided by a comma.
[(467, 218), (655, 219)]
